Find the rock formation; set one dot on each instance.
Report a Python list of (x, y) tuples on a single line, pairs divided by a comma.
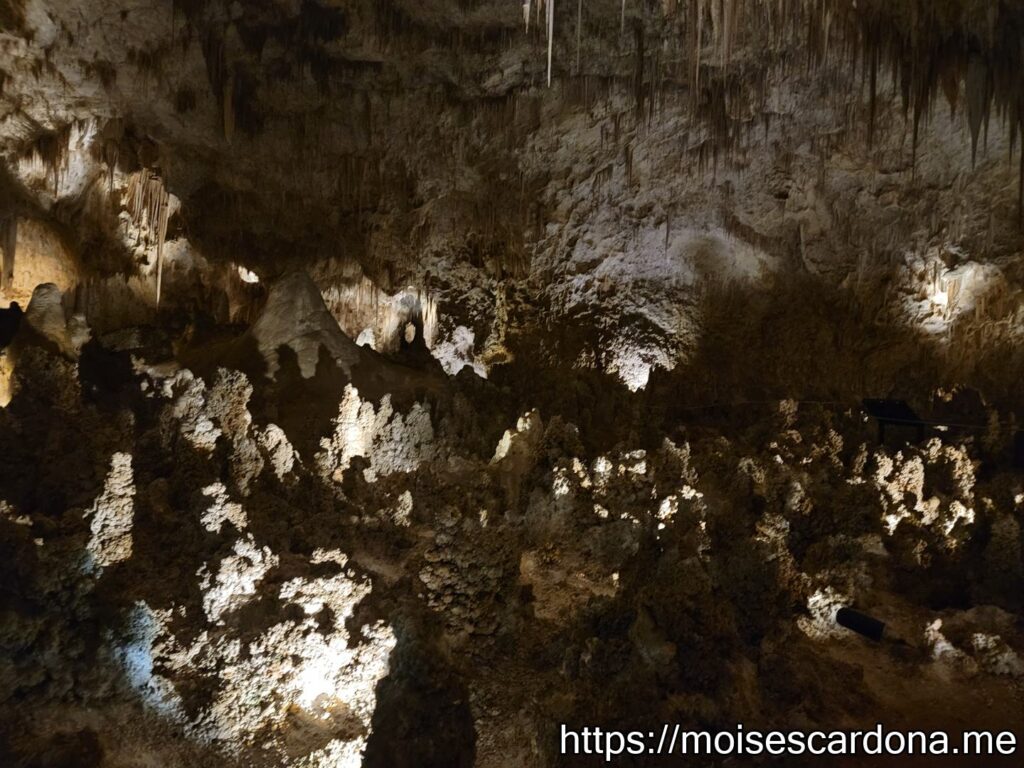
[(392, 381)]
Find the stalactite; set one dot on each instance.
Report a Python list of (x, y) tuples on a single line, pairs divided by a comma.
[(913, 155), (873, 104), (228, 107), (728, 30), (148, 204), (977, 100), (638, 75), (9, 245), (921, 44), (698, 42), (111, 154), (551, 35), (223, 81), (579, 33), (52, 151), (716, 21), (1020, 189)]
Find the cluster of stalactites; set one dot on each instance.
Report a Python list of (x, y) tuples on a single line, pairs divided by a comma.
[(52, 151), (148, 204), (950, 48), (969, 51), (547, 7)]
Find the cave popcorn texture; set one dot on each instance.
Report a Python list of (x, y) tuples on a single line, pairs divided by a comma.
[(292, 677), (112, 516)]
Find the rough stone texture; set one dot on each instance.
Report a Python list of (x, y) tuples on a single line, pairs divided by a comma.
[(112, 516), (476, 397)]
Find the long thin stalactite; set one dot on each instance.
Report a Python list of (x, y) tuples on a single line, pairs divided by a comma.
[(148, 204)]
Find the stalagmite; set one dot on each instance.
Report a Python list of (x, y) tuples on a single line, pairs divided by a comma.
[(112, 515)]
